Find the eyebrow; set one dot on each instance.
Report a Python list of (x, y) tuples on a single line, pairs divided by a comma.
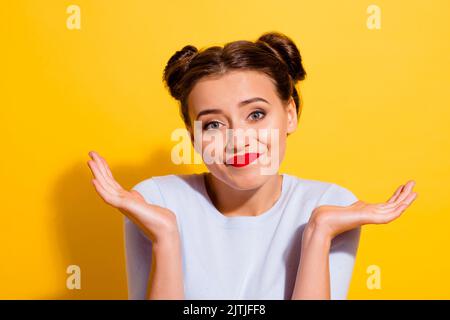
[(240, 104)]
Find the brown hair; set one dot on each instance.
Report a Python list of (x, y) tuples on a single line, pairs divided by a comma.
[(273, 53)]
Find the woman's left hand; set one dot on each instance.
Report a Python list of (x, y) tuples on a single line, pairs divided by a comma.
[(334, 220)]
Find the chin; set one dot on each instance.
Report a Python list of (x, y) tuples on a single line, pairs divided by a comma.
[(243, 178)]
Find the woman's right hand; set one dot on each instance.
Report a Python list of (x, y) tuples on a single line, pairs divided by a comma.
[(156, 222)]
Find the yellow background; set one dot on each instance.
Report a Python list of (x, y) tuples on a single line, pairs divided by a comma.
[(376, 114)]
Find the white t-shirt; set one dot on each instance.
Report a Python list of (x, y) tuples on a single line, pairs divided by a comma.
[(239, 257)]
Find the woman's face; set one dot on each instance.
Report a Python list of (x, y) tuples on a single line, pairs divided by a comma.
[(241, 127)]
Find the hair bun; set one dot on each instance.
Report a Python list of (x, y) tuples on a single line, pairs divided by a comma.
[(286, 50), (176, 67)]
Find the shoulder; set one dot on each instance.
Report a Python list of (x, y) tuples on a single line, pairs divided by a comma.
[(167, 180), (157, 188), (325, 192), (338, 195)]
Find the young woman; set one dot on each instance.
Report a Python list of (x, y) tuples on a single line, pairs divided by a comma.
[(238, 232)]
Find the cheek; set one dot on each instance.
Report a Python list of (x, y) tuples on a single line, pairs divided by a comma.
[(213, 139), (273, 133), (213, 144)]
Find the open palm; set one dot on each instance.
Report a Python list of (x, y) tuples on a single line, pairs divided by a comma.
[(338, 219), (154, 220)]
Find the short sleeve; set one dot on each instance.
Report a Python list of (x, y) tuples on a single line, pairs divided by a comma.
[(343, 247), (138, 247)]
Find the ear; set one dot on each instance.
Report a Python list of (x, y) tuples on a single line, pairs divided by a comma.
[(291, 117)]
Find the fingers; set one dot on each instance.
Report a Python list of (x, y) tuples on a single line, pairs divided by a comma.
[(101, 191), (411, 197), (394, 214), (396, 193), (104, 170), (387, 215), (100, 178), (405, 192), (109, 173), (394, 207), (99, 163), (400, 194), (398, 210), (105, 164)]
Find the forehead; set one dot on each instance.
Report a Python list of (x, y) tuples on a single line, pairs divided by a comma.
[(229, 89)]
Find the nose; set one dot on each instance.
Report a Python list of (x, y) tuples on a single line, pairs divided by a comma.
[(237, 139)]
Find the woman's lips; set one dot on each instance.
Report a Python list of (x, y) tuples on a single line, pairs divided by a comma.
[(243, 160)]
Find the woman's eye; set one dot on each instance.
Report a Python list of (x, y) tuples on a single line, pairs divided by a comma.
[(254, 116), (211, 125), (257, 115)]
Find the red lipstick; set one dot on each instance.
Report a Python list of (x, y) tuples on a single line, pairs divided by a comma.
[(243, 160)]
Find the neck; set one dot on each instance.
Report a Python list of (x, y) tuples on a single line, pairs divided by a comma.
[(233, 202)]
